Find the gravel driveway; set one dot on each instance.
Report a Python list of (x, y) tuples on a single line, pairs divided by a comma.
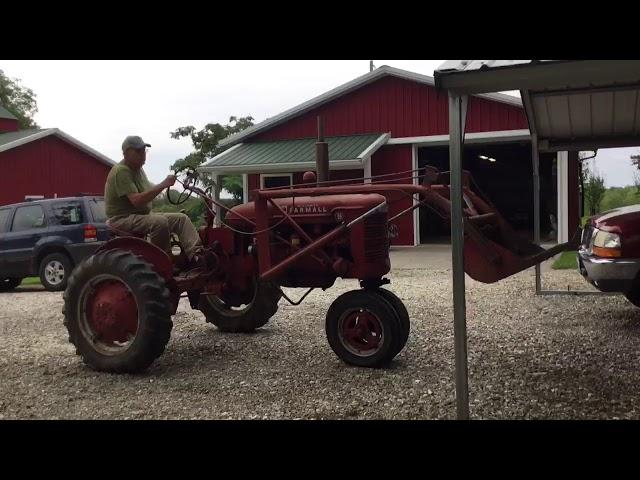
[(530, 357)]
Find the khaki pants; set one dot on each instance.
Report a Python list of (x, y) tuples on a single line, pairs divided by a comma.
[(159, 227)]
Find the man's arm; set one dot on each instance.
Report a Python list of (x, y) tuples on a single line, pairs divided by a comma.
[(124, 186), (139, 199)]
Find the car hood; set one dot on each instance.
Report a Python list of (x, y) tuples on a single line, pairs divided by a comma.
[(619, 219)]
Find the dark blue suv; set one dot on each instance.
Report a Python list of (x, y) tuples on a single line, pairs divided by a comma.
[(47, 238)]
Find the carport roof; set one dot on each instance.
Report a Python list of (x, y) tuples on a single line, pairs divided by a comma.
[(345, 151), (570, 104)]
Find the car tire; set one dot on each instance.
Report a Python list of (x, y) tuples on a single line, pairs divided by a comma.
[(54, 271), (9, 284)]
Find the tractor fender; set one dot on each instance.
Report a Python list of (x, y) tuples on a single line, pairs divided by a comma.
[(158, 259)]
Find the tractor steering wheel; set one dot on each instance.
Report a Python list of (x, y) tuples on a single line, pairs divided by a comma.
[(190, 179)]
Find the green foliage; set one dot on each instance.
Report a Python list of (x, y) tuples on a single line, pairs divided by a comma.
[(19, 100), (566, 261), (594, 191), (616, 197), (233, 185), (194, 208), (206, 144)]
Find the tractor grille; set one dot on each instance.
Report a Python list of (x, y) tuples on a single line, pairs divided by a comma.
[(376, 238)]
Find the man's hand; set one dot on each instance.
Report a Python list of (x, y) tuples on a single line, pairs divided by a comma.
[(169, 181)]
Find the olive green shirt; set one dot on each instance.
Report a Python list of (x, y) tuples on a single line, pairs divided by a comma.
[(122, 181)]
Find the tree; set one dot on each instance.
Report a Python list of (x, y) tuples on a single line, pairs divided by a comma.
[(206, 144), (594, 189), (635, 161), (19, 100)]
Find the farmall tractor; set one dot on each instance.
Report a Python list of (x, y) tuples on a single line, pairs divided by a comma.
[(119, 302)]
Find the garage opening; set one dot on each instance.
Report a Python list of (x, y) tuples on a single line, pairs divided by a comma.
[(505, 174)]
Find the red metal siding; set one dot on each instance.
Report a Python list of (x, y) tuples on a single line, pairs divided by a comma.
[(49, 166), (356, 175), (391, 159), (8, 125), (402, 107)]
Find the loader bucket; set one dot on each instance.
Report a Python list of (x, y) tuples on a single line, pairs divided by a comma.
[(492, 249)]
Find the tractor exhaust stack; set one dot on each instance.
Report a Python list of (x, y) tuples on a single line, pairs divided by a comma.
[(322, 154)]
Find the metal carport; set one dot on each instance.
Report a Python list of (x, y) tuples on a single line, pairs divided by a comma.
[(570, 105)]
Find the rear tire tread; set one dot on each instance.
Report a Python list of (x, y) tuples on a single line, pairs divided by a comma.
[(154, 312)]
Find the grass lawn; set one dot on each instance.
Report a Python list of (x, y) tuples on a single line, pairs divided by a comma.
[(567, 260), (31, 281)]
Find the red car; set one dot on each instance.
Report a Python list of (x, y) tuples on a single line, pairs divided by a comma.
[(609, 255)]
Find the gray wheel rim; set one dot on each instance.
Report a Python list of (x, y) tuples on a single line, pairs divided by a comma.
[(347, 345), (54, 272), (110, 349)]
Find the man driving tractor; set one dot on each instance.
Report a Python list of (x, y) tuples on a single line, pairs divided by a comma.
[(128, 195)]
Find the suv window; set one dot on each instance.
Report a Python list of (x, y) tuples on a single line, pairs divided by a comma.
[(67, 213), (97, 210), (28, 217), (4, 215)]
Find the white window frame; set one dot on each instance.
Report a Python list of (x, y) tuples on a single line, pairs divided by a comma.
[(265, 175)]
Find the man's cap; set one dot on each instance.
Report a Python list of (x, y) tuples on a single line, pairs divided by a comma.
[(134, 141)]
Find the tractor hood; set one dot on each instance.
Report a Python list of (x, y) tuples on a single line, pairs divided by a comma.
[(310, 208)]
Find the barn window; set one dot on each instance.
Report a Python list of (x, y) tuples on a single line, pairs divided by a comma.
[(276, 180), (29, 217)]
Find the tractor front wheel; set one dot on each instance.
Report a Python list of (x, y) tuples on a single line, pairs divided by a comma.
[(117, 312), (363, 329), (403, 316), (243, 318)]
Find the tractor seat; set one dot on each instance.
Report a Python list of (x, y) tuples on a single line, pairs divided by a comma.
[(123, 233)]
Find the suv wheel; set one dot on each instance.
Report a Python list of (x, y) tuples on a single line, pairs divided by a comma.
[(54, 271)]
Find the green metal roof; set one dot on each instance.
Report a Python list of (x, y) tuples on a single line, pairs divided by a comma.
[(293, 151), (4, 113), (13, 136)]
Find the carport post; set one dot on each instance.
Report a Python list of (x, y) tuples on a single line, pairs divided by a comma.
[(535, 158), (457, 117)]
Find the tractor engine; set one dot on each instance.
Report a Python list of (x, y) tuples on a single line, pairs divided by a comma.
[(361, 253)]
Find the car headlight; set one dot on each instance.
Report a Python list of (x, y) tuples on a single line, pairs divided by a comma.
[(606, 244)]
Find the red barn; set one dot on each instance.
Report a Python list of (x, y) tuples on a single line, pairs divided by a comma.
[(391, 121), (46, 163)]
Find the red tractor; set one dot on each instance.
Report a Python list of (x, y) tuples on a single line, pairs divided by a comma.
[(119, 302)]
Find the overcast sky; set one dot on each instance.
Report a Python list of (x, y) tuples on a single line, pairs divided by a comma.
[(101, 102)]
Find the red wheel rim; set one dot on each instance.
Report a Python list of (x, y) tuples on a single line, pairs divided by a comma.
[(361, 332), (110, 314)]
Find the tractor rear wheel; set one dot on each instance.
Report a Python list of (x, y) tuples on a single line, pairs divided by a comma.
[(244, 318), (403, 315), (117, 312), (363, 329)]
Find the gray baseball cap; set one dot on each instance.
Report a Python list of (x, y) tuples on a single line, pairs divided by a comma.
[(133, 141)]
